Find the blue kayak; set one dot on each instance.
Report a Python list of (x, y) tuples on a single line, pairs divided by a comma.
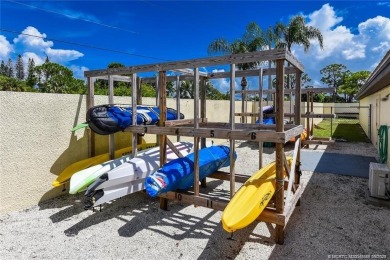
[(179, 173), (109, 119)]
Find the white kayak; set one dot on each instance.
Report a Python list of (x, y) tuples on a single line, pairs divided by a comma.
[(130, 176)]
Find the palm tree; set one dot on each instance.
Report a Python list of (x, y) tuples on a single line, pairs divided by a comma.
[(251, 41), (297, 32)]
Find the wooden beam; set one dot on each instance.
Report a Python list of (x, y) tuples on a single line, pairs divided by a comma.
[(174, 149), (220, 175), (182, 122), (194, 63), (325, 142), (115, 78), (294, 61), (303, 90), (238, 134), (249, 73), (268, 215), (291, 179)]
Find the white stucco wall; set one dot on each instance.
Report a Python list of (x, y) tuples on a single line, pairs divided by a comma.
[(36, 143)]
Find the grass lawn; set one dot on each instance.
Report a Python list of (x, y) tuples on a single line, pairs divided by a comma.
[(347, 129)]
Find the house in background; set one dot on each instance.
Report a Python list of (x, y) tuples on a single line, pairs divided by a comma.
[(376, 94)]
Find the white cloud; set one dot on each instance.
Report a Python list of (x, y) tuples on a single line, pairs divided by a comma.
[(324, 18), (29, 42), (62, 56), (5, 48), (359, 50), (37, 48)]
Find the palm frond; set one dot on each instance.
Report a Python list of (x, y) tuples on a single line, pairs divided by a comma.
[(219, 46)]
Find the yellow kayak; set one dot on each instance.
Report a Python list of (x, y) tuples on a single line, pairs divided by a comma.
[(67, 173), (251, 199)]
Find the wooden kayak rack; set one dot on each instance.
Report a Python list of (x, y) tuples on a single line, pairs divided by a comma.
[(288, 190)]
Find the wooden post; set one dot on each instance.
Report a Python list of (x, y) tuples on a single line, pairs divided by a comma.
[(161, 122), (90, 103), (196, 126), (260, 115), (297, 121), (134, 113), (312, 111), (308, 112), (111, 137), (178, 101), (139, 101), (279, 194), (232, 126), (203, 116)]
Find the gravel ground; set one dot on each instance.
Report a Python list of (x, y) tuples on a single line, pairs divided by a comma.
[(333, 220)]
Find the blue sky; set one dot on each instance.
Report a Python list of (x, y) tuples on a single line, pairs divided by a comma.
[(356, 33)]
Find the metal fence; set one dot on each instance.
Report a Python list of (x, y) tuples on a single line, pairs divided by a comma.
[(346, 124)]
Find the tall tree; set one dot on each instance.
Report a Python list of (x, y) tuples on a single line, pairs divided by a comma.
[(251, 41), (60, 79), (334, 76), (3, 69), (297, 32), (353, 83), (31, 79), (19, 68), (10, 69)]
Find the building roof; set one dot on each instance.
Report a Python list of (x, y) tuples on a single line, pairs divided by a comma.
[(378, 79)]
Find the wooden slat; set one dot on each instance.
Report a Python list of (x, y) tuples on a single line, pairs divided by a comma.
[(111, 138), (194, 63), (328, 142), (179, 122), (246, 114), (174, 149), (294, 61), (303, 90), (296, 131), (311, 115), (238, 134), (291, 179), (226, 176), (289, 209), (249, 73), (268, 215), (115, 78)]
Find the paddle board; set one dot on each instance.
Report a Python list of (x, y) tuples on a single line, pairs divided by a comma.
[(251, 199), (130, 176), (67, 173)]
